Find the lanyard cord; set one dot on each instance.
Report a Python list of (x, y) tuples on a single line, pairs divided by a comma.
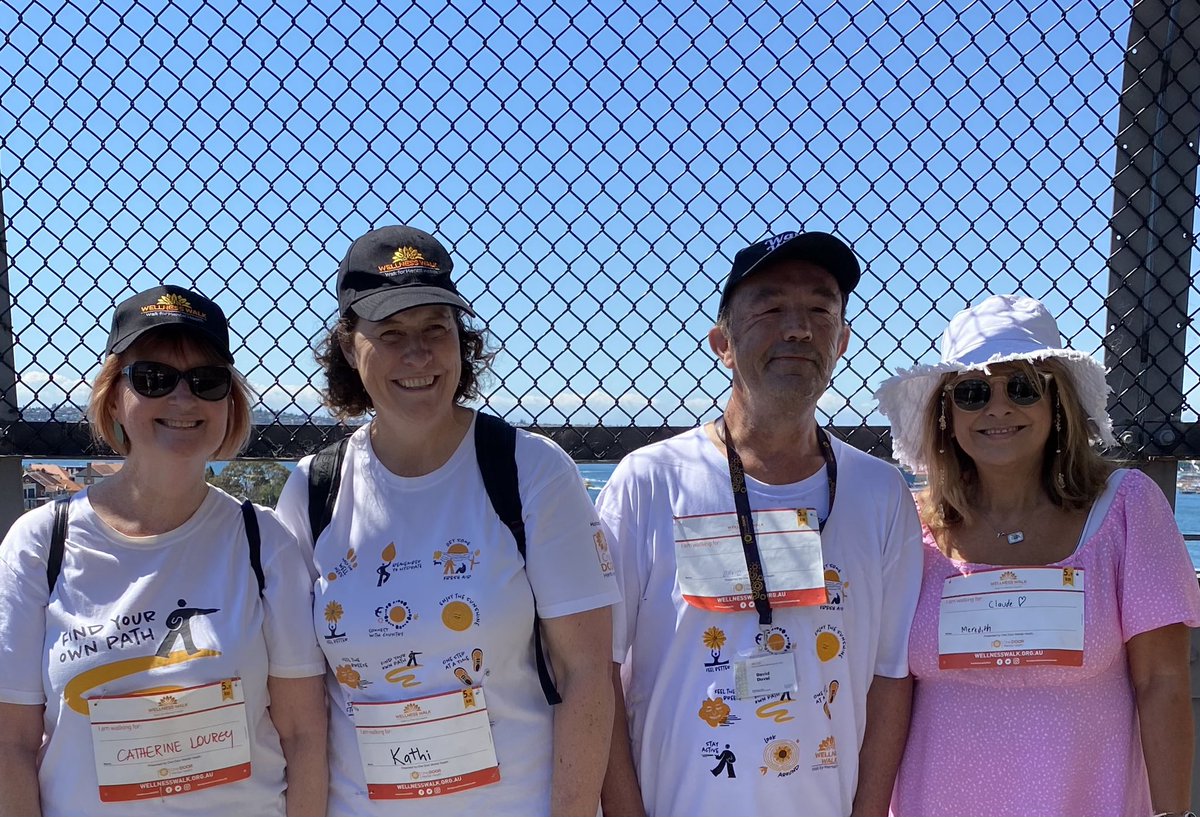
[(741, 501)]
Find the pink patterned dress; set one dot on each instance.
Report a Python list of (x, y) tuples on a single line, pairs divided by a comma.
[(1050, 740)]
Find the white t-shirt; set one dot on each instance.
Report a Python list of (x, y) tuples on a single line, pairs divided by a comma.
[(420, 589), (699, 750), (111, 604)]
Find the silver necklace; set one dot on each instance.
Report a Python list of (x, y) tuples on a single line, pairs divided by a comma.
[(1015, 537)]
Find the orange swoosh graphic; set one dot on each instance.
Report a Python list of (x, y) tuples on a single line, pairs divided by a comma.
[(98, 676)]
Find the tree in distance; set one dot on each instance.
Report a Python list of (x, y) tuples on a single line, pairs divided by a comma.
[(259, 481)]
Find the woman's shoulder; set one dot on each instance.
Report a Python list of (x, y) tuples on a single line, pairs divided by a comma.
[(29, 534), (540, 452), (1126, 492)]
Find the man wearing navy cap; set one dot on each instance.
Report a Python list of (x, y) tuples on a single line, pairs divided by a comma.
[(769, 574)]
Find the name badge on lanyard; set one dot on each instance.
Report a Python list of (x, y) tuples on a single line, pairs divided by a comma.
[(711, 567), (799, 581), (765, 675), (1012, 617), (153, 745), (425, 747)]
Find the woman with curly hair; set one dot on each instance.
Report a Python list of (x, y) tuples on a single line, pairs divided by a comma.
[(431, 615)]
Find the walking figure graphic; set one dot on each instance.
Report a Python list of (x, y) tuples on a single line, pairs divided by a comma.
[(725, 762), (179, 625)]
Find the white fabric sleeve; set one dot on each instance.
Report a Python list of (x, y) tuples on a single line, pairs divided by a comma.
[(567, 555), (292, 649), (903, 566), (291, 510), (614, 506), (23, 599)]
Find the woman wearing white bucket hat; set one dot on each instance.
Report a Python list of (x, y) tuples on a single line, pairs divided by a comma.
[(1050, 643)]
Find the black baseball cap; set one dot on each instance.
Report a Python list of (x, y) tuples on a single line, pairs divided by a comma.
[(396, 268), (822, 249), (168, 305)]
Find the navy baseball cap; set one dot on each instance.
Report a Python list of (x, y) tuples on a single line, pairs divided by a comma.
[(396, 268), (168, 305), (821, 249)]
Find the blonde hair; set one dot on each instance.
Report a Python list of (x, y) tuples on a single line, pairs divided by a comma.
[(180, 341), (954, 480)]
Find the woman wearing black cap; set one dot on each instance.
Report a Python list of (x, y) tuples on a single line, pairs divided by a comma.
[(144, 634), (430, 618)]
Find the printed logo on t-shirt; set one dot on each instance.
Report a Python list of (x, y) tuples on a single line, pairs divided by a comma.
[(826, 755), (333, 614), (725, 758), (346, 564), (826, 697), (179, 628), (715, 712), (127, 631), (836, 588), (830, 643), (457, 559), (775, 708), (714, 639), (402, 669), (391, 619), (602, 551), (459, 612), (780, 756), (773, 640), (390, 566), (467, 667), (349, 675)]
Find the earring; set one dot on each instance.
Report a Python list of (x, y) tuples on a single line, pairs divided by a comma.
[(1057, 426), (118, 433), (942, 427), (1059, 479)]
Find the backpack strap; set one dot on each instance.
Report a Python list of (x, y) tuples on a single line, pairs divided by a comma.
[(324, 480), (58, 541), (496, 451), (254, 542)]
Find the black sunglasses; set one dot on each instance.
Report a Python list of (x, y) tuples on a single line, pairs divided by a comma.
[(151, 379), (973, 394)]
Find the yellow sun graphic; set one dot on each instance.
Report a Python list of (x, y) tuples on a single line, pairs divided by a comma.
[(334, 612), (714, 638)]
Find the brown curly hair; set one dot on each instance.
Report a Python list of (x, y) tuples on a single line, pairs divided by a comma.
[(346, 397)]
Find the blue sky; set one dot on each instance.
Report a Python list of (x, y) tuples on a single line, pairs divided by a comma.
[(593, 170)]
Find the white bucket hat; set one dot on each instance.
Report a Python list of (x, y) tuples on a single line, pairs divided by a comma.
[(1000, 329)]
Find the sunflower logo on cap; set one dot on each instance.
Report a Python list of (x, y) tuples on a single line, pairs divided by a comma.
[(406, 256), (174, 300)]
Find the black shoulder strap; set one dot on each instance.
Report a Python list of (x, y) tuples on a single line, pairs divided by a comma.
[(496, 451), (58, 541), (324, 479), (254, 542)]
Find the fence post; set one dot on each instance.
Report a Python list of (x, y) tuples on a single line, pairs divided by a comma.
[(1154, 207), (11, 498)]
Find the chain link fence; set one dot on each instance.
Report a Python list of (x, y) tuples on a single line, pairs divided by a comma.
[(594, 167)]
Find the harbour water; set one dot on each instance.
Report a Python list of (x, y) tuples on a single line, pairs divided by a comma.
[(596, 474), (1187, 505)]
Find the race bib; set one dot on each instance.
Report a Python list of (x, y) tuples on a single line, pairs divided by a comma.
[(426, 747), (152, 745), (1012, 617), (711, 567)]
